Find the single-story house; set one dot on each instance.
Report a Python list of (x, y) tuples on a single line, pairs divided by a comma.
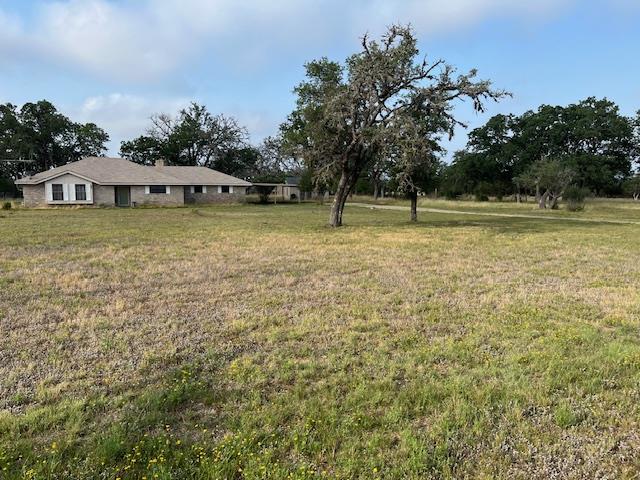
[(118, 182)]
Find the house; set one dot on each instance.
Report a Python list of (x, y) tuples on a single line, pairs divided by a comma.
[(118, 182)]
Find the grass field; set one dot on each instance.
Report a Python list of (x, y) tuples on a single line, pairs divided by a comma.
[(253, 342)]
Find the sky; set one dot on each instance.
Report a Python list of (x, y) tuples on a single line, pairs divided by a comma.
[(117, 62)]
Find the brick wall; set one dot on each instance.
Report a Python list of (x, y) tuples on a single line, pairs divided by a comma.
[(212, 196), (104, 195), (34, 195), (175, 197)]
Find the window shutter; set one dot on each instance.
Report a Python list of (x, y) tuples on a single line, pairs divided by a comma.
[(89, 187), (146, 190), (231, 189), (204, 189), (219, 188), (193, 189), (72, 192), (168, 189), (48, 192), (65, 192)]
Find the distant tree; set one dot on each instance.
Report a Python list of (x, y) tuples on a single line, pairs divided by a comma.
[(631, 186), (592, 135), (552, 177), (239, 162), (7, 187), (144, 150), (38, 132), (574, 197), (85, 140), (413, 153), (193, 137), (343, 113), (476, 173), (636, 139)]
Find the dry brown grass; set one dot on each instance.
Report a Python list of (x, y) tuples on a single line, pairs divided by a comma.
[(458, 347)]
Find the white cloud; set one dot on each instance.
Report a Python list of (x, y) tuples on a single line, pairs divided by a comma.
[(123, 116), (437, 16), (145, 40), (126, 116)]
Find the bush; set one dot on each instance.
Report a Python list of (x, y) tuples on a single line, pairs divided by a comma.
[(452, 194), (6, 206), (482, 192), (575, 197)]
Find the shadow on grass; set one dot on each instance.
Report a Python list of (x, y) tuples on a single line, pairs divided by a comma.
[(506, 225)]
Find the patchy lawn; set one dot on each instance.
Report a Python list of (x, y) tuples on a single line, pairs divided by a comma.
[(253, 342)]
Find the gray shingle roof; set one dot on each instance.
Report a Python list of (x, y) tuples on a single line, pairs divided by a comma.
[(119, 171), (201, 176)]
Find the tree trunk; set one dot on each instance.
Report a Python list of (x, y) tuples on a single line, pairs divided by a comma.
[(553, 201), (542, 200), (376, 191), (538, 193), (414, 205), (339, 199)]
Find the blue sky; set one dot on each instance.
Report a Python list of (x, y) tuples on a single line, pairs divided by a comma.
[(116, 62)]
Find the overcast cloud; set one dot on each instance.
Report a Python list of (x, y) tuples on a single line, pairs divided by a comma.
[(117, 62)]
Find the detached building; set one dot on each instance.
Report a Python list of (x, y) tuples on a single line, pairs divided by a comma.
[(105, 181)]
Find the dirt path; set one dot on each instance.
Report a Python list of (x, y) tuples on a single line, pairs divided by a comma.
[(493, 214)]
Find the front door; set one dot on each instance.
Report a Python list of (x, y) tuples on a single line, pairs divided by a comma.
[(123, 196)]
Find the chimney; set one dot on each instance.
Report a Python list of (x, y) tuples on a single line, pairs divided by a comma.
[(160, 162)]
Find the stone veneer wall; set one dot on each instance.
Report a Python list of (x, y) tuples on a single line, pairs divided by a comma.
[(212, 195), (34, 196), (104, 195), (176, 197)]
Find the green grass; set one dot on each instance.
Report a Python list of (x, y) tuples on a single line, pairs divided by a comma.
[(254, 342), (595, 208)]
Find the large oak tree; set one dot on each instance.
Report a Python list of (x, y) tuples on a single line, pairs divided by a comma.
[(40, 134), (344, 112), (193, 137)]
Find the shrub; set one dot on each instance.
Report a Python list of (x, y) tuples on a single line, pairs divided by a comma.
[(452, 194), (482, 192), (575, 197), (6, 206)]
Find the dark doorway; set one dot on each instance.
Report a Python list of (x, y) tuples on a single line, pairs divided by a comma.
[(123, 196)]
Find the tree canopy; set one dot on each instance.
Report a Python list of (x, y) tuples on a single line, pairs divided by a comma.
[(193, 137), (39, 133), (347, 113), (590, 137)]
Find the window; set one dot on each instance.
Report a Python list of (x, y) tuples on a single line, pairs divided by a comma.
[(57, 194), (158, 189), (197, 189), (225, 189), (81, 192)]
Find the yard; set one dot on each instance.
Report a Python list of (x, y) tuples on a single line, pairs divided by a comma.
[(254, 342)]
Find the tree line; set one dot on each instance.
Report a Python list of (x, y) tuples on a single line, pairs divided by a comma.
[(372, 123), (36, 137), (589, 145)]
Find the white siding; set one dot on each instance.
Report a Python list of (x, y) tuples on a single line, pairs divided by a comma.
[(68, 182)]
